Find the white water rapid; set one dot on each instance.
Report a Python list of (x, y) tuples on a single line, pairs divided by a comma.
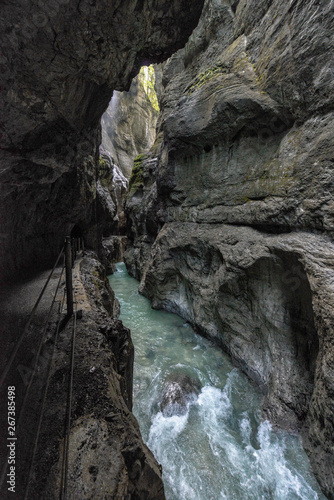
[(218, 448)]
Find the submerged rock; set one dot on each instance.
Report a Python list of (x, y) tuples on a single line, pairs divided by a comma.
[(107, 457), (178, 391), (265, 300)]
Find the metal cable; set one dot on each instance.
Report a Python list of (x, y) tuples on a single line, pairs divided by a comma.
[(12, 357), (44, 401), (4, 469), (41, 342), (63, 487)]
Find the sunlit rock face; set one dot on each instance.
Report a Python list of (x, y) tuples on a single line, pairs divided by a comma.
[(60, 63), (129, 123), (111, 192), (232, 222)]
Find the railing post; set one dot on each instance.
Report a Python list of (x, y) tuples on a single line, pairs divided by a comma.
[(68, 266)]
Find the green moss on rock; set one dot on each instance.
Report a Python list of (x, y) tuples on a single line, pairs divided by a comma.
[(147, 81), (136, 178), (219, 69), (102, 163)]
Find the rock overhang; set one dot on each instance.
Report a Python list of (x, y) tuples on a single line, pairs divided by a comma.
[(61, 62)]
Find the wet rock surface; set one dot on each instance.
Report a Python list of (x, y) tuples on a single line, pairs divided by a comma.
[(107, 455), (265, 299), (60, 63), (145, 216), (179, 390), (233, 227), (112, 188), (113, 249)]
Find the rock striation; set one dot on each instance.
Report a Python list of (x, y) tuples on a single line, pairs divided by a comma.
[(60, 63), (231, 222), (112, 188)]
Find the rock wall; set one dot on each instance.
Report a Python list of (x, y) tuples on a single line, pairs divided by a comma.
[(112, 188), (129, 123), (231, 223), (60, 63)]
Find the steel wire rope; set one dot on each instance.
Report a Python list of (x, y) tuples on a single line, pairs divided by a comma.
[(44, 401), (64, 472), (27, 325), (41, 342), (4, 469)]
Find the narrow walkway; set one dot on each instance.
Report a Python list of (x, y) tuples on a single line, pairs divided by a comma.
[(16, 304), (33, 357)]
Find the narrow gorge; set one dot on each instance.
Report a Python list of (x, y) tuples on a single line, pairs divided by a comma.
[(193, 140)]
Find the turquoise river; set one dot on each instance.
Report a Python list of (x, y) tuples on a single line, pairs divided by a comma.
[(220, 448)]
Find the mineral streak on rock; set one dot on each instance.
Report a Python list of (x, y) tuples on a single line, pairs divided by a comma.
[(232, 223), (60, 63)]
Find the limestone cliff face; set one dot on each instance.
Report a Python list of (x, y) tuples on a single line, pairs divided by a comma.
[(232, 223), (112, 187), (129, 123), (60, 62)]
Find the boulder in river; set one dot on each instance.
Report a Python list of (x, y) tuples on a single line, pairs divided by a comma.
[(179, 389)]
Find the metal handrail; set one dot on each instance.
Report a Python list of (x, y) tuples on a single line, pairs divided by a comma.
[(68, 291), (43, 403), (27, 325), (64, 476)]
